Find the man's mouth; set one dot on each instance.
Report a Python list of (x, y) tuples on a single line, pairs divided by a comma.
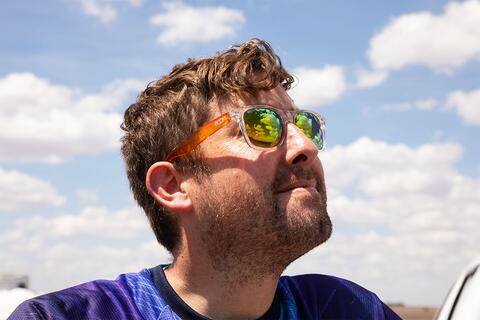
[(305, 184)]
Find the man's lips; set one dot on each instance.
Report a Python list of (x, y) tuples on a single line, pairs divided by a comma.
[(311, 183)]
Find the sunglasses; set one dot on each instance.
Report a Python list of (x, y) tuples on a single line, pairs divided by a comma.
[(263, 127)]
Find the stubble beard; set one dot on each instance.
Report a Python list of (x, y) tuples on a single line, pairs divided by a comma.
[(249, 233)]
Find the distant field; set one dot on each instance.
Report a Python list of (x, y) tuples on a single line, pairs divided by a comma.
[(415, 313)]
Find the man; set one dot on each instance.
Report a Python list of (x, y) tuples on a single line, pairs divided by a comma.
[(226, 168)]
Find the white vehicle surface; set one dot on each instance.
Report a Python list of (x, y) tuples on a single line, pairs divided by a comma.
[(463, 299), (10, 299)]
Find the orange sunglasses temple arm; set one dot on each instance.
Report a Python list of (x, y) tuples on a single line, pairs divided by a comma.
[(199, 136)]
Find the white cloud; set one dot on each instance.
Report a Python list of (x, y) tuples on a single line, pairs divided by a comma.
[(40, 121), (369, 79), (318, 86), (428, 104), (399, 213), (186, 24), (92, 221), (466, 104), (101, 243), (19, 190), (106, 13), (440, 42)]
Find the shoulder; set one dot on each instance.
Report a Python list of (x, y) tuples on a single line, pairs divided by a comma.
[(91, 300), (320, 296)]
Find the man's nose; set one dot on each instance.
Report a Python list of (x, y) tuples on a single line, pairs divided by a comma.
[(300, 148)]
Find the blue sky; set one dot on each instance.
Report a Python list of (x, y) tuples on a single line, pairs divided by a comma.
[(397, 81)]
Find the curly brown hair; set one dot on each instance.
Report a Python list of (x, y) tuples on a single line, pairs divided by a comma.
[(172, 108)]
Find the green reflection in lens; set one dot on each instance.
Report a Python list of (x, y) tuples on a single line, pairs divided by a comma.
[(310, 126), (264, 127)]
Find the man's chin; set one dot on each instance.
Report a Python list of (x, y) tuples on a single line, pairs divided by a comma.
[(307, 228)]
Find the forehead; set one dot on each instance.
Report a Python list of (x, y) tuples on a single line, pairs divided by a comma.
[(277, 98)]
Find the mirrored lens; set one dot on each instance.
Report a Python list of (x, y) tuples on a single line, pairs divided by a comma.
[(311, 127), (263, 126)]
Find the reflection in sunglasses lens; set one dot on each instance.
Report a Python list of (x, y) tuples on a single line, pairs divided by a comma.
[(310, 126), (263, 126)]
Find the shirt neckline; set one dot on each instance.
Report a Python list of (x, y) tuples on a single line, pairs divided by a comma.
[(182, 309)]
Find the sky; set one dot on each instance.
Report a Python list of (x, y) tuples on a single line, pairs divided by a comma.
[(398, 83)]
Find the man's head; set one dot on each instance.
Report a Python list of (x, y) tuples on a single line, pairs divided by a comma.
[(246, 203)]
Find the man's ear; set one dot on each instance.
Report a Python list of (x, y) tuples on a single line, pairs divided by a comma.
[(163, 183)]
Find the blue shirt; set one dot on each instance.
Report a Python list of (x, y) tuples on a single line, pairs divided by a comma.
[(148, 295)]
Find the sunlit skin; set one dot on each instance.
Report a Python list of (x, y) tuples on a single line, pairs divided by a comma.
[(207, 288)]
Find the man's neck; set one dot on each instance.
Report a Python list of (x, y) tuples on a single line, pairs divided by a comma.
[(221, 295)]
